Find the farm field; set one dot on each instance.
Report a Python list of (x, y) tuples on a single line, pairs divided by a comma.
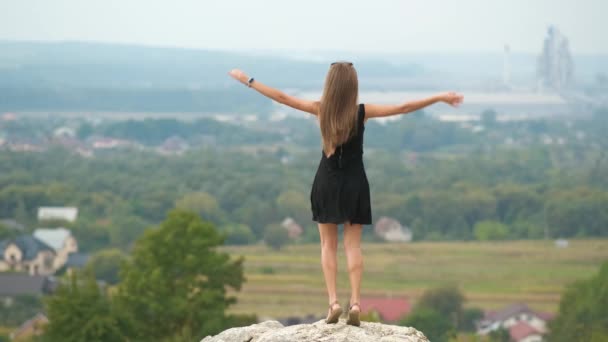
[(289, 282)]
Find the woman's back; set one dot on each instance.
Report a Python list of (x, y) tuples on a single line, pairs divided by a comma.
[(340, 190), (352, 149)]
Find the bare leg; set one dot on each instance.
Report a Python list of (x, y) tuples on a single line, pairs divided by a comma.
[(354, 259), (329, 250)]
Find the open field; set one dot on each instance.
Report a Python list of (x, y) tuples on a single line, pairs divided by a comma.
[(491, 274)]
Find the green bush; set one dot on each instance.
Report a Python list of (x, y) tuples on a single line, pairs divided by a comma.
[(490, 230), (583, 311), (276, 236)]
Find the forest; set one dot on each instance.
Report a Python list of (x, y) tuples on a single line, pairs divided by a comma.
[(442, 181), (142, 214)]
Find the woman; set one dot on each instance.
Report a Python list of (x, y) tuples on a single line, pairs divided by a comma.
[(340, 191)]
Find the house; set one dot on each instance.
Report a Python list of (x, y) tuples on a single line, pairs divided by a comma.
[(62, 242), (294, 230), (73, 144), (64, 131), (523, 332), (391, 230), (75, 261), (9, 116), (173, 145), (25, 253), (31, 327), (561, 243), (58, 213), (27, 146), (110, 143), (20, 284), (42, 253), (389, 309), (511, 316)]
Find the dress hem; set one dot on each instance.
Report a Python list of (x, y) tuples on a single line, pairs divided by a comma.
[(342, 222)]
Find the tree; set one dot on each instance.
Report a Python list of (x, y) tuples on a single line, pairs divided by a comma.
[(105, 264), (579, 212), (80, 311), (238, 234), (516, 202), (435, 326), (500, 335), (446, 301), (6, 233), (21, 308), (441, 214), (84, 130), (276, 236), (202, 203), (490, 230), (476, 204), (583, 311), (469, 317), (294, 204), (176, 282), (21, 214), (124, 229)]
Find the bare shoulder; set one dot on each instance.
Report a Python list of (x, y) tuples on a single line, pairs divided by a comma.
[(316, 105), (368, 111)]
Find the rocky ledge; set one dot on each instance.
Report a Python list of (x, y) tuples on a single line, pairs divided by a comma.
[(273, 331)]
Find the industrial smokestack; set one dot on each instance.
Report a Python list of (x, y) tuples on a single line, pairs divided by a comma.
[(506, 66)]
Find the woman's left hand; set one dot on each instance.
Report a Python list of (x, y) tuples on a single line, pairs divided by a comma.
[(239, 75)]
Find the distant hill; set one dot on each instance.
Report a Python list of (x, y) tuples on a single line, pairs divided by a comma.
[(99, 76), (75, 76)]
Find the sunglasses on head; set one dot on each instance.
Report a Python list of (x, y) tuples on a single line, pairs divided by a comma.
[(343, 62)]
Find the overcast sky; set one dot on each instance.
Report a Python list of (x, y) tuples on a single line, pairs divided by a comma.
[(345, 25)]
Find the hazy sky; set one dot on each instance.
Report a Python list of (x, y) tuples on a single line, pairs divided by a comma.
[(354, 25)]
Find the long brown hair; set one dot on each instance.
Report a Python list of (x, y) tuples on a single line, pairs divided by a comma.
[(338, 105)]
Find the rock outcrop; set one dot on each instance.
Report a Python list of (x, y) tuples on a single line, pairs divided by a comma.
[(273, 331)]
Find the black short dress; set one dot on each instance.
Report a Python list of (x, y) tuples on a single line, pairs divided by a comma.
[(340, 190)]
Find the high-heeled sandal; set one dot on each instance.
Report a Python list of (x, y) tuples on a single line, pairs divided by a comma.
[(353, 315), (333, 315)]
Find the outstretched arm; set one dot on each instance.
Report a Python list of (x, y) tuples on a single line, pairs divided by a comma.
[(372, 110), (311, 107)]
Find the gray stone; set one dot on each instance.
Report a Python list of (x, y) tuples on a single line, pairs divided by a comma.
[(244, 334), (273, 331)]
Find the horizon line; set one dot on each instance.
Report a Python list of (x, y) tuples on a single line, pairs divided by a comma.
[(286, 50)]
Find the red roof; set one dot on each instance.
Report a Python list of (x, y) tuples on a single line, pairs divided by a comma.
[(390, 309), (521, 330)]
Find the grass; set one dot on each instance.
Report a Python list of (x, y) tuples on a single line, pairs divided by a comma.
[(290, 282)]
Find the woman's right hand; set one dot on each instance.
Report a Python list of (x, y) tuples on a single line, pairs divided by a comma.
[(452, 98), (239, 75)]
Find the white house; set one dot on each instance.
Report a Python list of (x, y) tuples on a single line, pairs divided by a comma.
[(294, 230), (64, 131), (519, 319), (62, 242), (58, 213), (391, 230)]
